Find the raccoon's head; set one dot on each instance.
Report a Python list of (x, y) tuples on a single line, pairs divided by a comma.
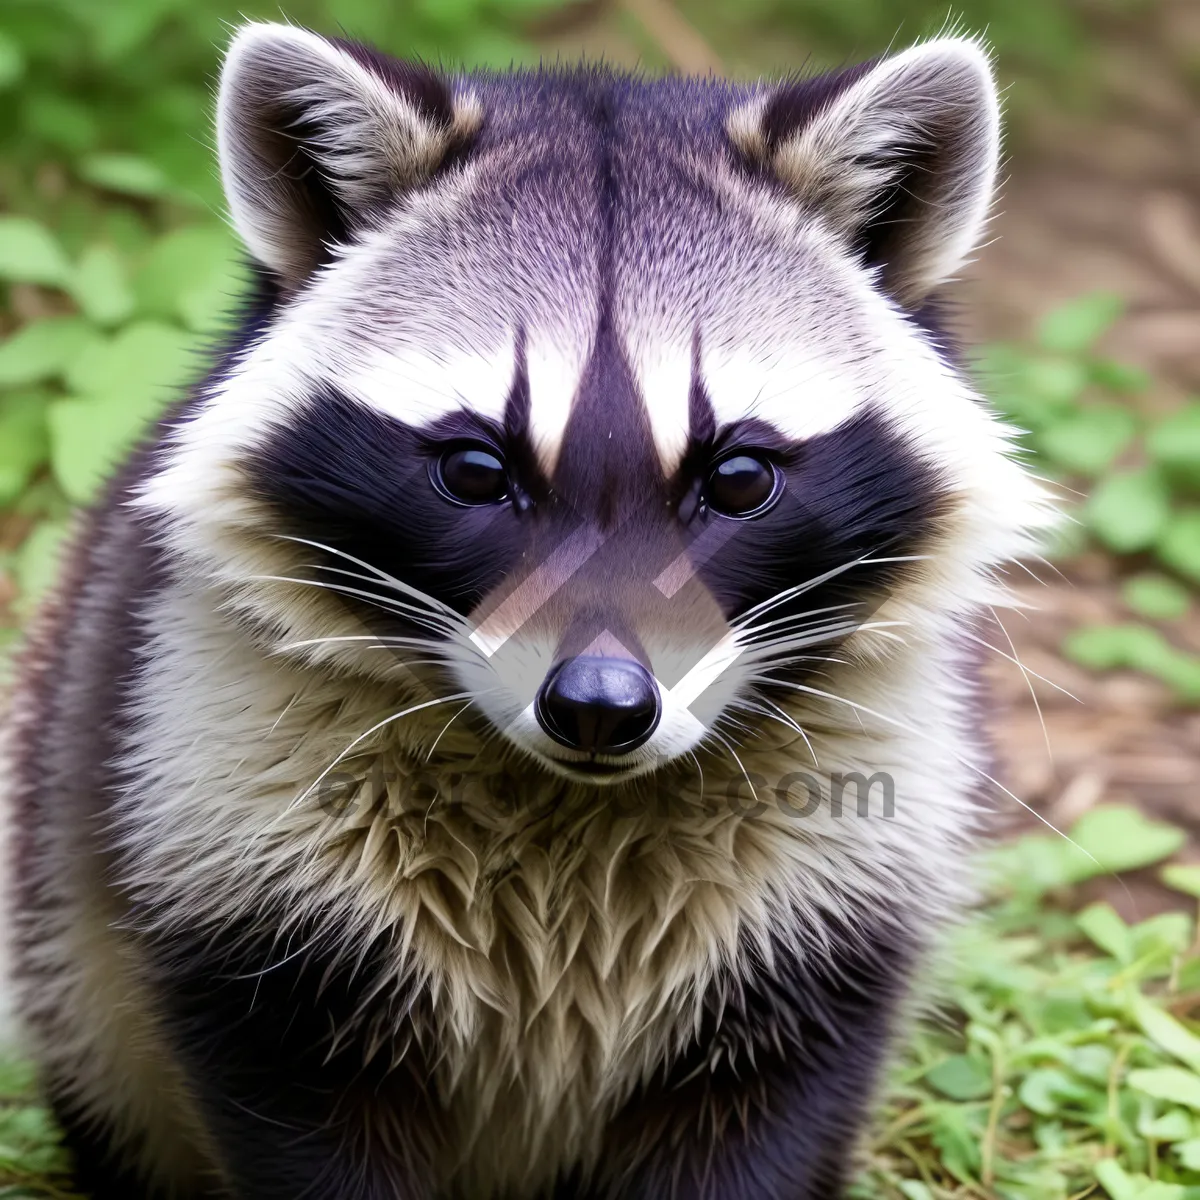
[(605, 406)]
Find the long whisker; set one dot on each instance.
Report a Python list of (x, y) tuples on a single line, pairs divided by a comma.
[(783, 718), (372, 598), (734, 754), (812, 612), (762, 651), (429, 617), (816, 581), (1028, 671), (391, 580), (459, 713), (1037, 706), (362, 737), (907, 728)]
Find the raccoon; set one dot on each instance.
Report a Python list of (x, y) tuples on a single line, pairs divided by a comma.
[(428, 780)]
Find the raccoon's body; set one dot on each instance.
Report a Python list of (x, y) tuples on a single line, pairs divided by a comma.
[(424, 776)]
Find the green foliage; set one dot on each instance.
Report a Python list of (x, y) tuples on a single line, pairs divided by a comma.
[(1136, 648), (1156, 596), (1070, 1067), (1143, 473)]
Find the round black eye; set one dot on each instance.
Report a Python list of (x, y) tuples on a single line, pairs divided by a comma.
[(472, 475), (742, 485)]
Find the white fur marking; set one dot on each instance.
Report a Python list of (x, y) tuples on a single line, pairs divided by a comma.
[(419, 387), (554, 373), (794, 388)]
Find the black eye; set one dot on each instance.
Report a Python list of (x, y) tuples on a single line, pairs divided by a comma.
[(471, 475), (742, 485)]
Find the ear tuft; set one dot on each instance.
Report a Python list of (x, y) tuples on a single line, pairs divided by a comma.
[(898, 156), (316, 136)]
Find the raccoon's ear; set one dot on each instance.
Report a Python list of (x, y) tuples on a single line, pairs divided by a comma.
[(315, 136), (899, 156)]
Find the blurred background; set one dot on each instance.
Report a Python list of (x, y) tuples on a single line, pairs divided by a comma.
[(1071, 1066)]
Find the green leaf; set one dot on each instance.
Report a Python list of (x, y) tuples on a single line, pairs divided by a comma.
[(1175, 1125), (1165, 935), (89, 437), (1118, 377), (123, 384), (1112, 647), (1179, 546), (1165, 1031), (1182, 878), (100, 287), (1189, 1154), (1089, 441), (961, 1077), (60, 121), (30, 253), (127, 26), (1156, 596), (24, 444), (1181, 673), (1129, 511), (1168, 1083), (1046, 1090), (12, 61), (1121, 838), (42, 350), (1051, 385), (952, 1133), (1103, 926), (146, 355), (126, 174), (1174, 443), (1078, 325), (37, 562), (189, 274)]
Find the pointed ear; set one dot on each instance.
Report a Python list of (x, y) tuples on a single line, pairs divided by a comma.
[(899, 156), (315, 136)]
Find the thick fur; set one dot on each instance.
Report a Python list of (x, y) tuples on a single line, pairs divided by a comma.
[(307, 903)]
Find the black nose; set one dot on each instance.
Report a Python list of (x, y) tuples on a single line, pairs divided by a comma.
[(601, 705)]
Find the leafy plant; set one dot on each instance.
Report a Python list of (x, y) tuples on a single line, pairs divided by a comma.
[(1080, 412), (1073, 1061)]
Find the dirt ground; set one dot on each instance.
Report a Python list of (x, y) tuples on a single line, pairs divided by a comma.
[(1105, 201)]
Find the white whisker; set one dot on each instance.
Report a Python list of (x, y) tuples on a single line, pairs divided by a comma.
[(816, 581), (390, 580), (459, 713), (963, 762), (362, 737)]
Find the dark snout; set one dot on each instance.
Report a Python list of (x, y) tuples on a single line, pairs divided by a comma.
[(599, 705)]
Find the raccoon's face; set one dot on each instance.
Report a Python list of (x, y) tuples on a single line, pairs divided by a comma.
[(605, 407)]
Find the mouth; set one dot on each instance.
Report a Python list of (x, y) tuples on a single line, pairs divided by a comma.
[(592, 770)]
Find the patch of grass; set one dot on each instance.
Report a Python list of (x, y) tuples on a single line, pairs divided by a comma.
[(1069, 1064)]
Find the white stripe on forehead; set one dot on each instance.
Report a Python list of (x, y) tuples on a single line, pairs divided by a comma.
[(791, 387), (419, 387), (554, 371), (664, 378)]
